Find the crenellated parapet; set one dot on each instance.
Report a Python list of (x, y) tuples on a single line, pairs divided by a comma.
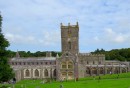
[(69, 25), (93, 55)]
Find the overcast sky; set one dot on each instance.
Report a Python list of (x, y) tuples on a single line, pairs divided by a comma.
[(34, 25)]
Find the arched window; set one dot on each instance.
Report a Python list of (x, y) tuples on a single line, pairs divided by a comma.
[(94, 71), (36, 73), (88, 71), (70, 73), (46, 73), (109, 71), (101, 71), (27, 73), (123, 70), (93, 62), (87, 62), (69, 45), (63, 64), (116, 70), (70, 65), (54, 73)]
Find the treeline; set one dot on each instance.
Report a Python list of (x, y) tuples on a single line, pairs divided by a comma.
[(115, 54), (30, 54)]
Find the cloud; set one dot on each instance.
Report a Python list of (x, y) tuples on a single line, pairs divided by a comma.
[(47, 39), (35, 22), (20, 39), (115, 37)]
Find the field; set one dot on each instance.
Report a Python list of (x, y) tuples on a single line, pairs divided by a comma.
[(106, 81)]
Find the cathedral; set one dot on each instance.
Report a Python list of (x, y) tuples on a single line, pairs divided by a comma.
[(70, 65)]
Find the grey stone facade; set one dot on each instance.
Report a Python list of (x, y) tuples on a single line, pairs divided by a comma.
[(70, 65)]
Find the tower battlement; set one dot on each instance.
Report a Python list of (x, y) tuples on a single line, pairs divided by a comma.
[(70, 38), (69, 25)]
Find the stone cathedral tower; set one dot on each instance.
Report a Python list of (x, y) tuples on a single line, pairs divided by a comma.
[(67, 64), (70, 38)]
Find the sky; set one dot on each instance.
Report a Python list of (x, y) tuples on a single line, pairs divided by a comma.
[(34, 25)]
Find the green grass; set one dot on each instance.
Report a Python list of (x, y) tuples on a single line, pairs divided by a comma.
[(107, 81)]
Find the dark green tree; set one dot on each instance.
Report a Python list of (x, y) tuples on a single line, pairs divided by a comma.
[(6, 73)]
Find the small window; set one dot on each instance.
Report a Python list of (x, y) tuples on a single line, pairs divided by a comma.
[(99, 62), (87, 62), (19, 63), (63, 66), (12, 63), (24, 63), (93, 62), (69, 45), (32, 63), (28, 63)]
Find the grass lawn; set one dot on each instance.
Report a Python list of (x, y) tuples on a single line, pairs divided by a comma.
[(106, 81)]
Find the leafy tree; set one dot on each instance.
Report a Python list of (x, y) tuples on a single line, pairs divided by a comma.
[(115, 54), (6, 73)]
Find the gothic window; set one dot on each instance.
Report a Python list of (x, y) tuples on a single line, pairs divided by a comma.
[(46, 63), (99, 62), (116, 70), (109, 71), (36, 73), (123, 70), (88, 71), (70, 65), (46, 73), (27, 73), (93, 62), (19, 63), (69, 45), (64, 73), (64, 65), (87, 62), (24, 63), (54, 73), (94, 71), (70, 73), (101, 71)]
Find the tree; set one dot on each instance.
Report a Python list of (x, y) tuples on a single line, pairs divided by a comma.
[(6, 73)]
